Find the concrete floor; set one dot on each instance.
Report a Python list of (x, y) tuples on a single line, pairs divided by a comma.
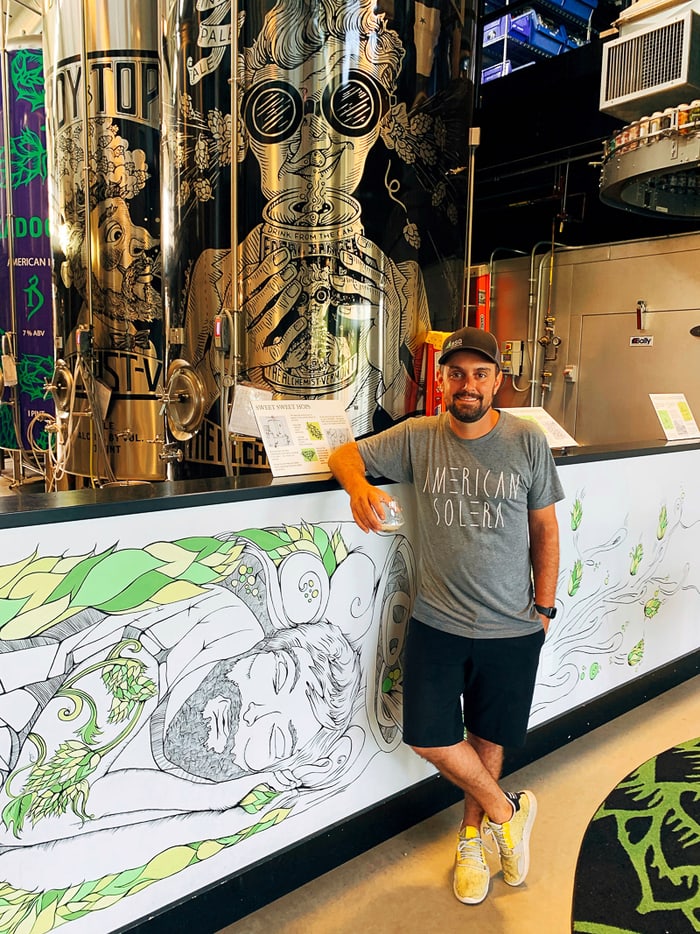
[(403, 886)]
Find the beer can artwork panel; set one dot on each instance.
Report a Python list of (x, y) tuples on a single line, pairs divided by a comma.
[(25, 273)]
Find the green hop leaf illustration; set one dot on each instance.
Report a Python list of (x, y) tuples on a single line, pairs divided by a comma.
[(651, 607), (636, 555), (575, 577), (663, 523), (61, 782), (27, 76), (636, 654), (13, 814), (129, 686), (576, 514)]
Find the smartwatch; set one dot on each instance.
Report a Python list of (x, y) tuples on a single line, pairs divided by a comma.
[(549, 611)]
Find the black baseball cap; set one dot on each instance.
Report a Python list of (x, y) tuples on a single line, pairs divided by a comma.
[(475, 339)]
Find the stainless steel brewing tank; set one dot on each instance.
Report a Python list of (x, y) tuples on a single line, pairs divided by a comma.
[(346, 202), (103, 92)]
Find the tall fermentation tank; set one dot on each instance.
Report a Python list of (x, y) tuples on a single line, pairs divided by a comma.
[(26, 323), (103, 92), (347, 128)]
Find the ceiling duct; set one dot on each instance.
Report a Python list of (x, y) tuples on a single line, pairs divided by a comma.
[(652, 68)]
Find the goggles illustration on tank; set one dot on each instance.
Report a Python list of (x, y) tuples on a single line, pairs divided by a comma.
[(273, 110)]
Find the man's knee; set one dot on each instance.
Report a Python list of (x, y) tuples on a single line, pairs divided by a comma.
[(433, 754)]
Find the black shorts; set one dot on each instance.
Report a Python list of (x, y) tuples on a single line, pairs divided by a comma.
[(495, 677)]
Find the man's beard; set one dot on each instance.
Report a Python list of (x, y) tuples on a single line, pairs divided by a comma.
[(185, 743), (468, 416), (136, 302)]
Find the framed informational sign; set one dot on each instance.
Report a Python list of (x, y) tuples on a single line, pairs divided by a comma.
[(299, 436)]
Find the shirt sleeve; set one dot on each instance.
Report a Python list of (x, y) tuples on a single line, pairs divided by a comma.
[(546, 486), (388, 454)]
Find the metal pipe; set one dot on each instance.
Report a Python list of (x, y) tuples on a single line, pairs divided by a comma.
[(534, 301), (474, 136), (533, 305), (235, 313), (85, 102), (235, 285)]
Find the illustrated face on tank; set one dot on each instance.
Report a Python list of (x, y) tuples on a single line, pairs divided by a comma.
[(311, 126), (125, 260), (248, 715)]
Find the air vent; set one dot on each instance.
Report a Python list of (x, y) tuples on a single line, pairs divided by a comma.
[(652, 68)]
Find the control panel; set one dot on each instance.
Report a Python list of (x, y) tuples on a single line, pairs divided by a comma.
[(512, 357)]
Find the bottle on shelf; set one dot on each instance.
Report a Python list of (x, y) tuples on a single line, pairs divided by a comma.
[(643, 131)]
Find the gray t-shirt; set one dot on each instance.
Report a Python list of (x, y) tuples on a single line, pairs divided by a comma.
[(472, 501)]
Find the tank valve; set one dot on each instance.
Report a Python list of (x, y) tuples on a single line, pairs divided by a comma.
[(171, 452)]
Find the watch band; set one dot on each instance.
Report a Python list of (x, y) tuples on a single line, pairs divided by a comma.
[(549, 611)]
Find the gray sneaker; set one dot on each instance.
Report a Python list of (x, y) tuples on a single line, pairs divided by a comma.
[(513, 837)]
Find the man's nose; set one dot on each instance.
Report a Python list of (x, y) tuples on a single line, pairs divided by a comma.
[(312, 107), (142, 245), (468, 384), (252, 713)]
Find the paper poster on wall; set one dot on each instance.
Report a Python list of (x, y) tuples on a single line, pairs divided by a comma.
[(299, 436), (556, 436), (675, 416)]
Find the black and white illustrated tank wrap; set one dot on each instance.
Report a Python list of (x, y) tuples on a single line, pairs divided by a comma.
[(332, 196)]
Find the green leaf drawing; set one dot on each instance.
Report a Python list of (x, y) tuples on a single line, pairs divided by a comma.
[(25, 912), (27, 77), (129, 686), (663, 523), (258, 798), (636, 654), (13, 814), (60, 782), (636, 555), (575, 577), (576, 514)]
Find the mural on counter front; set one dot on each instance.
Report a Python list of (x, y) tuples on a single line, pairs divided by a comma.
[(616, 598), (166, 704), (331, 309), (31, 324)]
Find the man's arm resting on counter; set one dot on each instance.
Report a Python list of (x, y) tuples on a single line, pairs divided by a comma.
[(348, 468), (544, 555)]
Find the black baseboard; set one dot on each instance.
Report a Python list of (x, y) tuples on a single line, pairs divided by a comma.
[(211, 909)]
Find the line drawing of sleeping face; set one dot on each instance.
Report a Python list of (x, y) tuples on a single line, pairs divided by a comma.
[(248, 715)]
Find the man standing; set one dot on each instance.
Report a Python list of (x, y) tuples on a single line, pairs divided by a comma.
[(485, 486)]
